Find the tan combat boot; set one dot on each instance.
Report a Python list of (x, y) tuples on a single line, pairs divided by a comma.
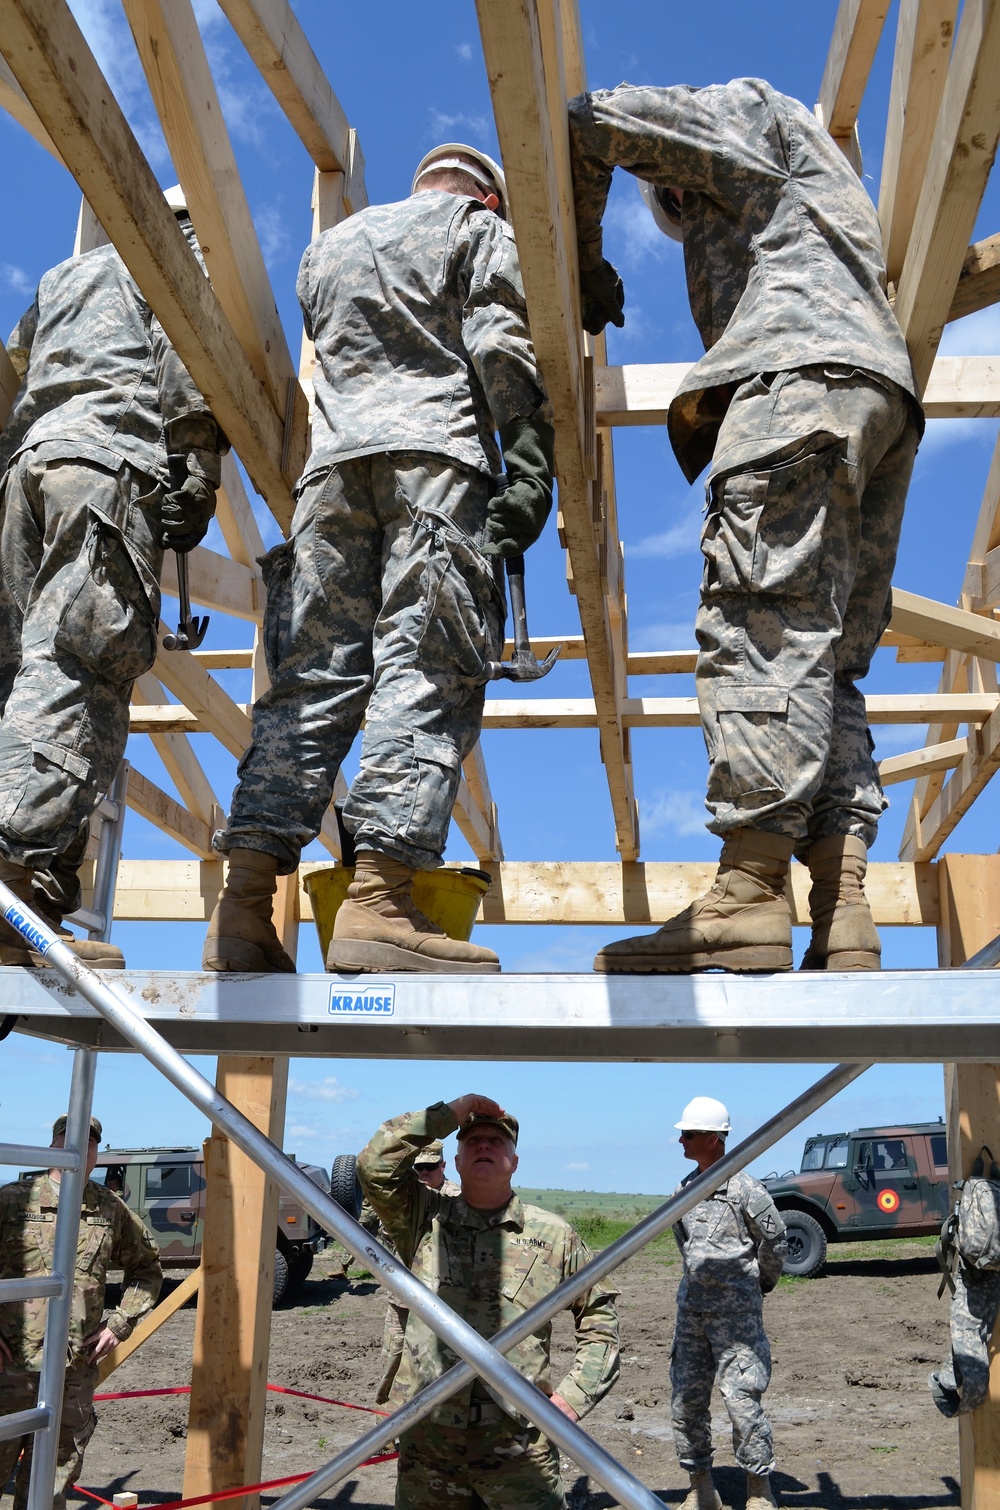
[(760, 1495), (704, 1495), (241, 935), (843, 934), (14, 949), (90, 952), (377, 927), (743, 923)]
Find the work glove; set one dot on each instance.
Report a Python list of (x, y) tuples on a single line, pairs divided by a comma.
[(602, 298), (517, 513), (195, 471)]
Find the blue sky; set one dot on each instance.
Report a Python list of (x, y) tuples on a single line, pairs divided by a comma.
[(408, 80)]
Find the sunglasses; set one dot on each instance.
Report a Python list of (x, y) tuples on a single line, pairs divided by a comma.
[(687, 1136)]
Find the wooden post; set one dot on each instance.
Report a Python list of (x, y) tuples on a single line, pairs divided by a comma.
[(232, 1332), (970, 918)]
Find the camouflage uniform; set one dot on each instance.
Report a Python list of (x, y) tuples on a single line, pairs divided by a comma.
[(111, 1236), (82, 468), (733, 1250), (963, 1384), (805, 406), (489, 1269), (381, 605)]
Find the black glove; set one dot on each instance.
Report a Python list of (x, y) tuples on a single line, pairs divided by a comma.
[(517, 513), (195, 472), (602, 298)]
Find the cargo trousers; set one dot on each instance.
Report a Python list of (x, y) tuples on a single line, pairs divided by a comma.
[(492, 1462), (79, 603), (19, 1391), (727, 1345), (382, 607), (805, 504)]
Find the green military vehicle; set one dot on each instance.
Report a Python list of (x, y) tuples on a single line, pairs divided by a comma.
[(166, 1186), (854, 1187)]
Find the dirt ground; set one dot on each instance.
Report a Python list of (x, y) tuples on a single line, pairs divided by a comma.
[(853, 1421)]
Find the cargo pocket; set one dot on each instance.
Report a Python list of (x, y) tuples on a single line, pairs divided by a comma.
[(764, 531), (276, 570), (108, 622), (407, 786), (753, 740), (464, 609), (513, 1287), (43, 797)]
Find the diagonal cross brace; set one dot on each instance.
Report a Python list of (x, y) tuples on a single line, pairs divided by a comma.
[(483, 1359)]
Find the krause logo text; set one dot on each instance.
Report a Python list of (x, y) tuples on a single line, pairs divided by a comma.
[(380, 1002)]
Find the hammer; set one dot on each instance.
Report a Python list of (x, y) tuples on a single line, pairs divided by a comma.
[(190, 631), (524, 667)]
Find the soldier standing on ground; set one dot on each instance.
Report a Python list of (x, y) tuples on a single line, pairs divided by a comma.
[(805, 406), (733, 1247), (109, 456), (490, 1257), (385, 604), (111, 1237)]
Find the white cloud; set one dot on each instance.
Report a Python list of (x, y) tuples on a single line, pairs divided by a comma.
[(476, 127), (941, 433), (678, 812), (329, 1089), (668, 634), (632, 233), (677, 540), (464, 51), (272, 232), (577, 1166), (16, 278), (567, 956), (974, 335)]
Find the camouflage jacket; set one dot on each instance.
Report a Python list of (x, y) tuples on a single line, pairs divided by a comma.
[(100, 380), (733, 1245), (488, 1268), (111, 1236), (422, 342), (781, 242)]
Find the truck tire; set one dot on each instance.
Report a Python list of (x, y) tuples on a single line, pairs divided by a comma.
[(344, 1187), (806, 1245), (299, 1268), (280, 1289)]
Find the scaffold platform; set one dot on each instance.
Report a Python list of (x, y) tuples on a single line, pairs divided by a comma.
[(896, 1015)]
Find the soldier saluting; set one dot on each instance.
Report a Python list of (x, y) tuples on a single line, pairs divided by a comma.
[(490, 1257)]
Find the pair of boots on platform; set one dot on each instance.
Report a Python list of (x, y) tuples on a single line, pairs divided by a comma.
[(13, 948)]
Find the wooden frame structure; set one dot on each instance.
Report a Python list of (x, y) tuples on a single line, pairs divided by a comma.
[(942, 132)]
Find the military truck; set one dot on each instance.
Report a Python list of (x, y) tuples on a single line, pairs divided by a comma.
[(853, 1187), (166, 1186)]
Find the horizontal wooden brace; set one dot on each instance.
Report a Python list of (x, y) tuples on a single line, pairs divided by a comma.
[(585, 892), (940, 757), (218, 583)]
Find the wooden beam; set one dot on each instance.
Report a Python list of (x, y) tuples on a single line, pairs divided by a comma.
[(965, 142), (179, 758), (979, 280), (150, 801), (856, 34), (475, 810), (178, 1297), (976, 769), (211, 705), (14, 100), (235, 515), (969, 633), (218, 583), (225, 660), (941, 757), (54, 65), (528, 95), (584, 892), (225, 1433), (272, 35), (959, 387), (924, 36)]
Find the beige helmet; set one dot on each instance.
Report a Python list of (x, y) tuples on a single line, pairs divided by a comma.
[(487, 173), (704, 1114), (665, 208)]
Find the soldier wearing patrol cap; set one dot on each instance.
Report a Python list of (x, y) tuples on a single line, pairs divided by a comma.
[(111, 1236), (491, 1257), (733, 1247)]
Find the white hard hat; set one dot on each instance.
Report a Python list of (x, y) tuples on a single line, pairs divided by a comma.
[(664, 207), (488, 174), (704, 1114), (176, 199)]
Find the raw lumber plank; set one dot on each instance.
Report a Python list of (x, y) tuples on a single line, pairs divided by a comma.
[(965, 142), (924, 36), (938, 624), (941, 757), (236, 517), (178, 1297), (976, 769), (177, 755), (979, 281), (474, 793), (217, 582), (14, 100), (856, 34), (152, 802), (272, 35), (54, 65), (529, 105), (202, 696)]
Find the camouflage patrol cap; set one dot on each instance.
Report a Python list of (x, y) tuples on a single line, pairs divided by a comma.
[(432, 1154), (96, 1130), (507, 1123)]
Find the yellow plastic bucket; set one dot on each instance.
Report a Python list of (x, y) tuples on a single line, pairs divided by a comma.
[(450, 898)]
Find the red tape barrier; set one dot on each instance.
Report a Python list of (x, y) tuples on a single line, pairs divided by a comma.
[(231, 1494), (278, 1389)]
